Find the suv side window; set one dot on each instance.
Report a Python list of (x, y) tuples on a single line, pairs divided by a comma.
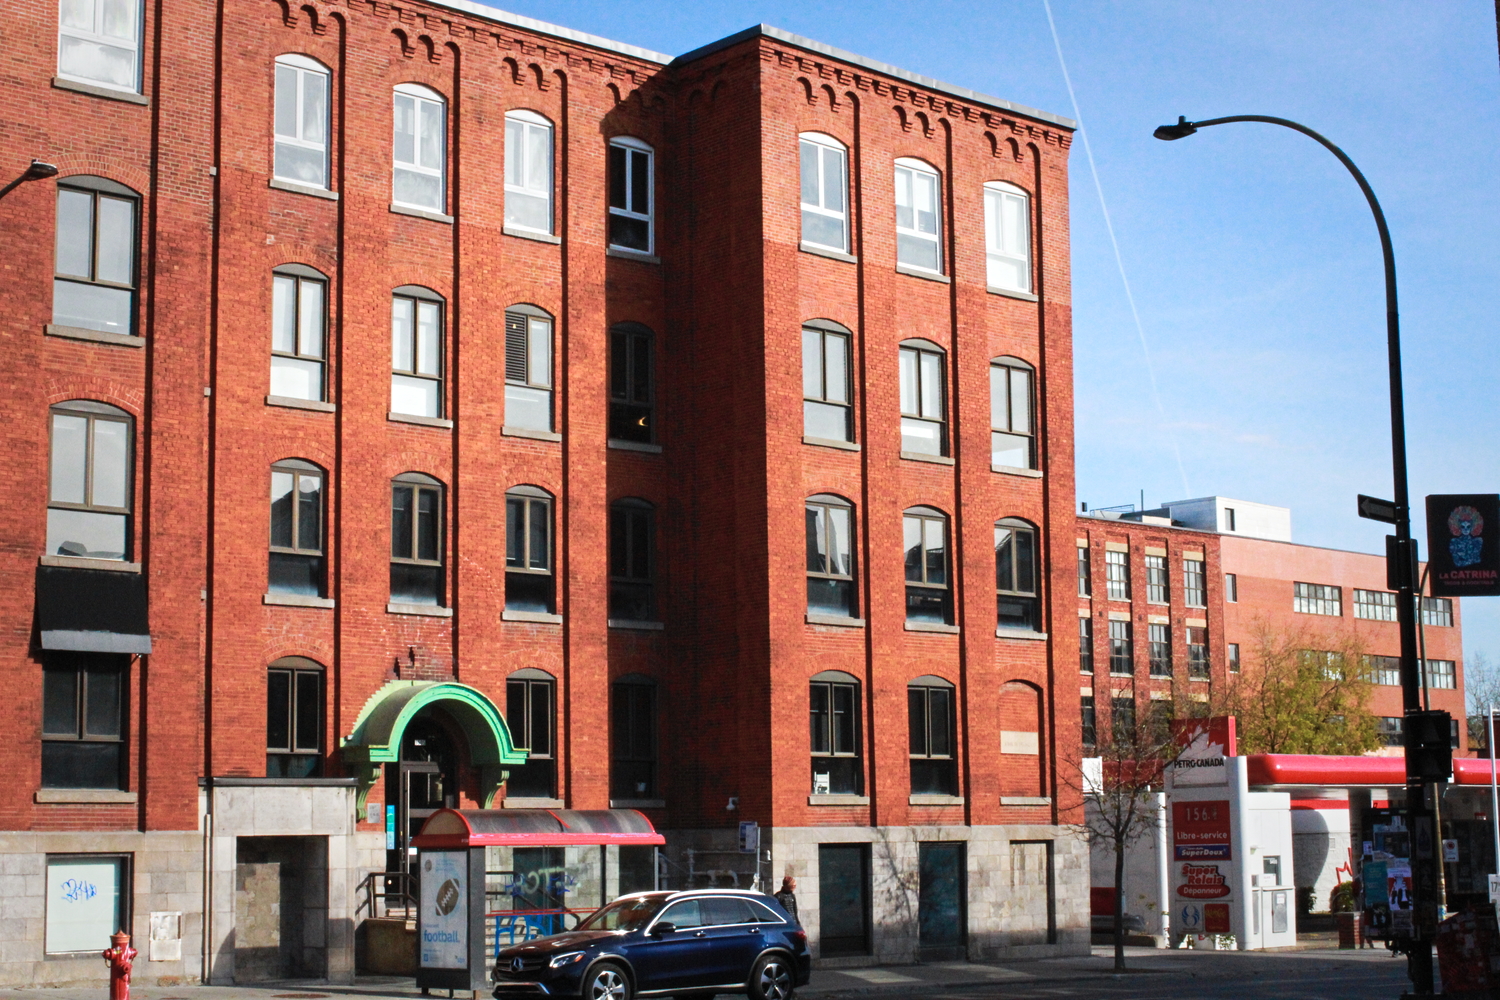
[(761, 913), (720, 910), (685, 913)]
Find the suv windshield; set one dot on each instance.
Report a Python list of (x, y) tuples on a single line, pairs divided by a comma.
[(623, 914)]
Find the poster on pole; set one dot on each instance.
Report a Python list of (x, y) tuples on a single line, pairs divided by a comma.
[(445, 910), (1463, 545)]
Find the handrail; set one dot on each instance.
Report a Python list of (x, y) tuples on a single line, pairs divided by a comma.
[(398, 895)]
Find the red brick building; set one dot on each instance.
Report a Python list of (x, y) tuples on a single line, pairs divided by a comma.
[(439, 406)]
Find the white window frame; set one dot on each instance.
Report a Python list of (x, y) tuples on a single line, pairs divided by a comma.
[(913, 167), (530, 187), (825, 142), (304, 66), (1001, 245), (630, 145), (419, 95), (98, 37)]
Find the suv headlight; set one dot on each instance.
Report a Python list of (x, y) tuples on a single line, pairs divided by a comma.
[(566, 958)]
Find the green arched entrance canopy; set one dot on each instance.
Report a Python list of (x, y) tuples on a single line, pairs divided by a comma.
[(376, 737)]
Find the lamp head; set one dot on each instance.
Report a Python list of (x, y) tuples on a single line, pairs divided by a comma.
[(39, 171), (1181, 130)]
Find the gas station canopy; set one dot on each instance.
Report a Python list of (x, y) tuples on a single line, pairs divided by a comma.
[(1309, 769), (450, 828)]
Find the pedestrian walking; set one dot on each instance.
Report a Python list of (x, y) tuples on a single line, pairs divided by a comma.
[(787, 896)]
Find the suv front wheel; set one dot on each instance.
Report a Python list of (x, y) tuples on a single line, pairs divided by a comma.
[(771, 979), (606, 981)]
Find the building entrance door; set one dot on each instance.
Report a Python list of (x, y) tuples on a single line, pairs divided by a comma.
[(940, 900), (425, 780), (843, 899)]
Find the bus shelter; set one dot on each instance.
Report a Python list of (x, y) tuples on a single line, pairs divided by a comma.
[(488, 878)]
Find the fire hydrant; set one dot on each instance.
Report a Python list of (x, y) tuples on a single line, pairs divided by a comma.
[(119, 958)]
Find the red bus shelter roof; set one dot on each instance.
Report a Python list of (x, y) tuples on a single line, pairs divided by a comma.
[(1312, 769), (536, 828)]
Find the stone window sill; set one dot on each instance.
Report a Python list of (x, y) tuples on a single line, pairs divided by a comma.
[(412, 418), (932, 627), (638, 626), (818, 251), (523, 432), (1020, 633), (80, 562), (527, 234), (293, 403), (637, 803), (307, 189), (1011, 293), (838, 800), (830, 443), (298, 601), (421, 213), (837, 620), (935, 800), (917, 456), (917, 272), (643, 447), (110, 93), (519, 802), (85, 796), (420, 610), (1010, 470), (94, 336), (539, 617), (1025, 800), (635, 255)]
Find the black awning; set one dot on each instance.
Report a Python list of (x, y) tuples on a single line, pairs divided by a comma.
[(91, 611)]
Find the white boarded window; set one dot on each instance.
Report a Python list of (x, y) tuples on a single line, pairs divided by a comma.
[(85, 902), (419, 151)]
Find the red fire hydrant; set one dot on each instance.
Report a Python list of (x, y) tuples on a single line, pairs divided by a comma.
[(119, 958)]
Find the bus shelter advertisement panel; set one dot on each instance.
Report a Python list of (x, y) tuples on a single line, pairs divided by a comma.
[(1201, 865), (445, 910)]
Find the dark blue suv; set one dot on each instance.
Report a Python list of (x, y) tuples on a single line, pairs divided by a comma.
[(685, 944)]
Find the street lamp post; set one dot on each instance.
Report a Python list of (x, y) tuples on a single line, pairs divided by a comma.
[(1419, 788), (37, 171)]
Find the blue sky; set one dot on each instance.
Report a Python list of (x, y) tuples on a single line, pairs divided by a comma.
[(1253, 259)]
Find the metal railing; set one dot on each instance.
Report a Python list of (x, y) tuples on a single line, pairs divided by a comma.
[(388, 894)]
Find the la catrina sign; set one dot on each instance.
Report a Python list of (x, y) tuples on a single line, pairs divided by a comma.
[(1463, 545)]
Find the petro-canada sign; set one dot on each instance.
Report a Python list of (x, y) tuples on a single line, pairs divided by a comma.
[(1205, 745)]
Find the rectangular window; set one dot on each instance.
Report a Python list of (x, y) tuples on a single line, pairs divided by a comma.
[(922, 400), (1437, 611), (928, 596), (1194, 583), (1085, 580), (1156, 579), (1229, 519), (294, 723), (1016, 576), (301, 125), (836, 767), (528, 371), (1007, 237), (296, 530), (631, 192), (94, 270), (88, 899), (420, 150), (416, 356), (1391, 730), (528, 172), (1234, 657), (632, 768), (1085, 645), (1377, 605), (1441, 673), (1122, 720), (1197, 653), (90, 485), (830, 559), (1089, 720), (529, 712), (1159, 643), (83, 720), (1117, 575), (632, 547), (918, 239), (1231, 588), (529, 583), (632, 389), (99, 42), (1012, 436), (934, 770), (826, 396), (825, 221), (1121, 649), (1384, 670), (297, 342), (416, 541), (1317, 599)]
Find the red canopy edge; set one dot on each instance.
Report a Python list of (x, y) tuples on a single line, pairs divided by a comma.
[(451, 828), (1313, 769)]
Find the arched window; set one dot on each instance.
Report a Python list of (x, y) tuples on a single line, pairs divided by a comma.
[(294, 718), (918, 216), (830, 557), (825, 191), (95, 275), (632, 562), (1007, 237), (1012, 422), (528, 369), (933, 752), (417, 352), (923, 399), (299, 323), (1020, 740), (632, 384), (297, 563), (528, 171), (531, 714), (1016, 575), (929, 596), (420, 148), (301, 121), (826, 390), (530, 586), (100, 43), (416, 540), (837, 767), (632, 196), (91, 484), (633, 739)]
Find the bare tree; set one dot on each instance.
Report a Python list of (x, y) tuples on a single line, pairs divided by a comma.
[(1481, 691)]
